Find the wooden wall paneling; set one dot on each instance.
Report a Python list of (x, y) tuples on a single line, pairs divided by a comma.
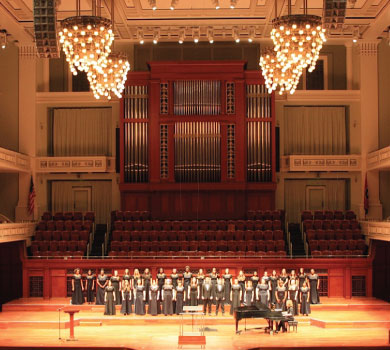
[(58, 283), (241, 153), (154, 131)]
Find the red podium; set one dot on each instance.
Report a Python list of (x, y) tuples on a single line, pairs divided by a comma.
[(71, 311)]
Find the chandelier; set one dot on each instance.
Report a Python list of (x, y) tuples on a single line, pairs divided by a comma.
[(275, 74), (110, 79), (86, 40), (297, 40)]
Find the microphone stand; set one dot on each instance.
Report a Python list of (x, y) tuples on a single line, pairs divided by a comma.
[(59, 322)]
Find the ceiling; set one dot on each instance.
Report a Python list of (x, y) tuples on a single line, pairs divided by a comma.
[(134, 19)]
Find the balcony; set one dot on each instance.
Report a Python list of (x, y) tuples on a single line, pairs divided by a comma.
[(317, 163), (379, 160), (11, 232), (376, 229), (11, 161), (75, 164)]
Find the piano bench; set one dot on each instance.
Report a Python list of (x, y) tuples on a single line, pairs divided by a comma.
[(293, 324)]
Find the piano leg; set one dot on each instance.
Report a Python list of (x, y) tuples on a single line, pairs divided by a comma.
[(236, 326)]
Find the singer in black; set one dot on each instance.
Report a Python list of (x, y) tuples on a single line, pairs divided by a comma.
[(220, 297), (77, 288), (228, 285), (167, 297), (161, 276), (116, 283), (90, 286), (109, 299), (179, 297), (207, 296), (101, 284), (146, 277), (126, 298)]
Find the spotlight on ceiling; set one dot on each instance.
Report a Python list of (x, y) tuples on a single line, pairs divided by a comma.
[(173, 4), (216, 4), (233, 4), (3, 38), (153, 4)]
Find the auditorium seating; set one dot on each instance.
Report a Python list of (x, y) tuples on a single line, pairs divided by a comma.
[(333, 233), (262, 234), (63, 234)]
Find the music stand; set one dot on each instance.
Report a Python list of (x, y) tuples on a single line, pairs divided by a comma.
[(195, 337), (71, 311)]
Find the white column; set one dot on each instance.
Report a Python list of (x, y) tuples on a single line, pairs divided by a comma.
[(27, 125), (369, 122), (349, 64)]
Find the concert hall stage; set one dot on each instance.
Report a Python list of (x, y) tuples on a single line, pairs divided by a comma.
[(336, 323)]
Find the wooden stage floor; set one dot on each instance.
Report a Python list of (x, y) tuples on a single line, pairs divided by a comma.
[(336, 323)]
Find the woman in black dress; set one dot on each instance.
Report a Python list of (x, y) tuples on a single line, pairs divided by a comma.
[(241, 281), (180, 297), (129, 278), (146, 277), (193, 292), (305, 299), (281, 296), (293, 276), (273, 280), (249, 294), (200, 278), (301, 278), (255, 279), (314, 282), (77, 288), (167, 297), (109, 299), (90, 286), (227, 278), (126, 298), (293, 295), (139, 292), (284, 277), (161, 276), (174, 277), (101, 284), (154, 304), (136, 277), (235, 296), (116, 283), (187, 275), (262, 292), (213, 278)]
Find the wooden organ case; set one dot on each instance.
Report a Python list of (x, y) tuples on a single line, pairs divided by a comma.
[(197, 141)]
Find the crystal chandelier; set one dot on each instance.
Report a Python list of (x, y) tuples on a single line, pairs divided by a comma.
[(111, 79), (276, 75), (86, 40), (297, 40)]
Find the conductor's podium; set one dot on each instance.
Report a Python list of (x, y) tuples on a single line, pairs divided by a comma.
[(196, 335)]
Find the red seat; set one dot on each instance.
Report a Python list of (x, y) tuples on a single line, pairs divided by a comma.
[(51, 226), (329, 234), (115, 245), (320, 234), (345, 224), (203, 225), (57, 235), (63, 246), (57, 254), (193, 245), (203, 245), (336, 224), (348, 234), (350, 215), (222, 246), (147, 225), (267, 214), (259, 225), (193, 226), (38, 236), (251, 215), (175, 246), (74, 236), (338, 234), (249, 235), (172, 236), (82, 246), (278, 235), (317, 224), (241, 246), (338, 215), (316, 253), (135, 246), (128, 226), (240, 225), (68, 215), (332, 245), (353, 224), (222, 225), (213, 246), (328, 215), (326, 253), (258, 235), (276, 215), (322, 244), (122, 253), (270, 245), (72, 246), (138, 225), (46, 236), (250, 253), (41, 226), (210, 235), (357, 252), (125, 236), (356, 233), (313, 245), (239, 235), (78, 215), (191, 235), (319, 215), (125, 246), (164, 246), (90, 216), (137, 236), (307, 225), (46, 216), (326, 224), (201, 236), (280, 245), (185, 225), (259, 215), (58, 216), (276, 225), (112, 253), (251, 246), (306, 215), (311, 235), (260, 246), (250, 225), (68, 225), (53, 246), (118, 225), (78, 225), (268, 235), (267, 225), (127, 216), (361, 244), (116, 235), (352, 244), (84, 236)]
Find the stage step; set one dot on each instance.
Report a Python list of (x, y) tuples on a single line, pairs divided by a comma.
[(91, 323), (349, 324)]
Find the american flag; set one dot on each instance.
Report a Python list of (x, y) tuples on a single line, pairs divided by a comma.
[(31, 197), (366, 201)]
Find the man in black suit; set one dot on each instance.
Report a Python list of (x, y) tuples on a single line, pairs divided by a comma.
[(207, 295), (220, 297)]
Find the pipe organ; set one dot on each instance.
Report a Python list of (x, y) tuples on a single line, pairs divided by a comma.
[(197, 141)]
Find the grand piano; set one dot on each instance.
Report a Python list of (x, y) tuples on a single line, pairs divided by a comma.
[(259, 310)]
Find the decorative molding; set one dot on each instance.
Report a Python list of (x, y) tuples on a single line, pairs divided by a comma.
[(163, 98), (27, 51), (317, 96), (72, 98), (376, 229), (379, 160), (164, 166), (16, 232), (230, 98), (368, 47), (75, 165), (14, 161), (320, 163), (231, 151)]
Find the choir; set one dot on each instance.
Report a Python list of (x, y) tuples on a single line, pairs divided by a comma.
[(169, 294)]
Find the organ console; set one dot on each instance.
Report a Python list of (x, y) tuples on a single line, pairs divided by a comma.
[(197, 141)]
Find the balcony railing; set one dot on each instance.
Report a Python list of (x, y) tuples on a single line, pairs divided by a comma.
[(350, 162), (14, 161), (75, 164), (379, 160), (16, 232)]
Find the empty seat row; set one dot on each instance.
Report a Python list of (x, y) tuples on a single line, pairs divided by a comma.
[(62, 235), (328, 215), (67, 225), (265, 215), (211, 225), (330, 224), (77, 215), (340, 244), (333, 234), (122, 253), (203, 246), (196, 236), (129, 215), (59, 245), (76, 254), (337, 253)]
